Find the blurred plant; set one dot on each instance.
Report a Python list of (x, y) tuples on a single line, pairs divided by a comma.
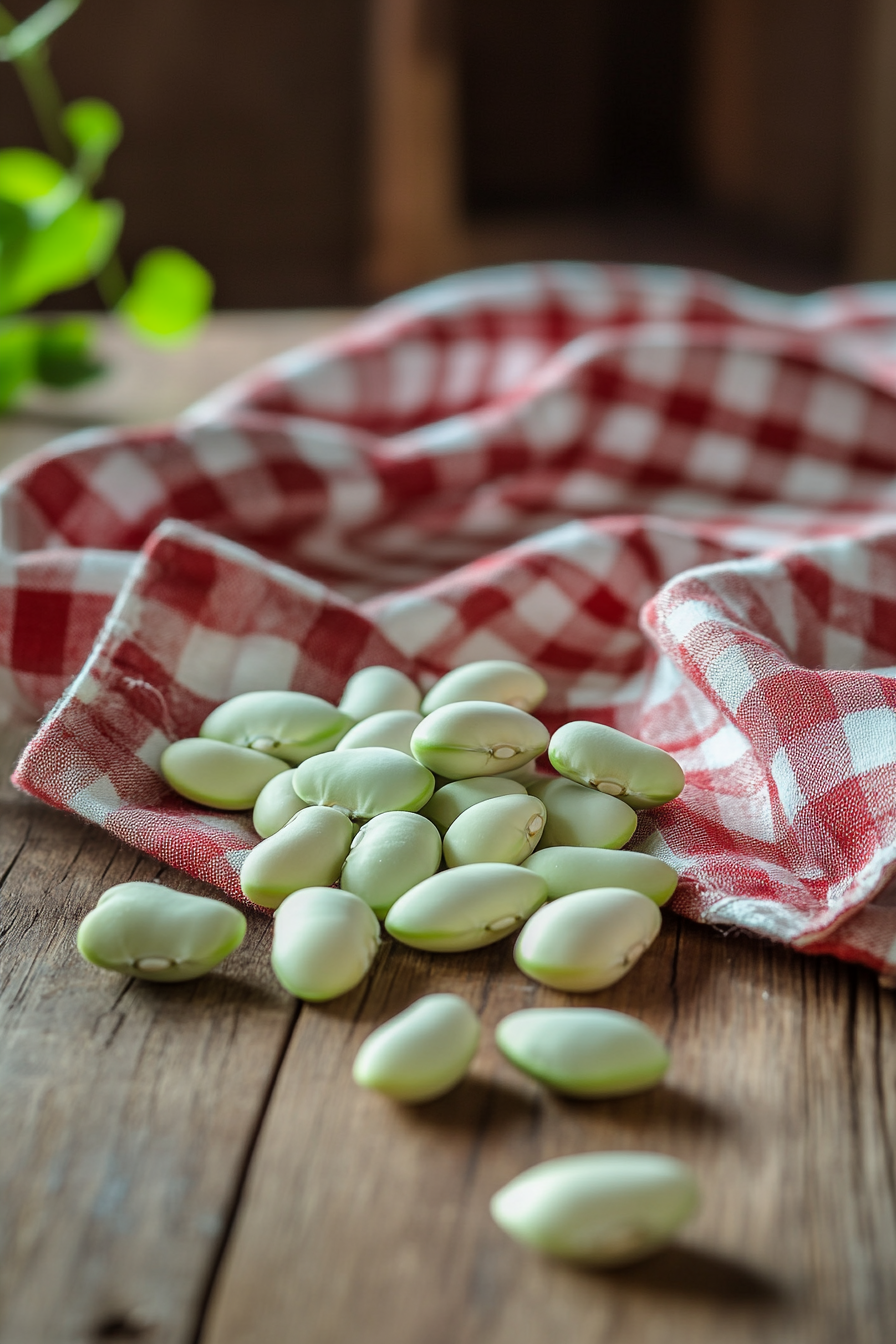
[(55, 235)]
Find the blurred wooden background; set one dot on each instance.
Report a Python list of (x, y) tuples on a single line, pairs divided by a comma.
[(315, 153)]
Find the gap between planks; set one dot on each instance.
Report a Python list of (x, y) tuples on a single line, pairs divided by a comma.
[(194, 1163)]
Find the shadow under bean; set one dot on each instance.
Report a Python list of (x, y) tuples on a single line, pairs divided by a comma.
[(667, 1106), (685, 1271)]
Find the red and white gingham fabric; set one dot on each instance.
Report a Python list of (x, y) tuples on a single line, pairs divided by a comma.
[(672, 494)]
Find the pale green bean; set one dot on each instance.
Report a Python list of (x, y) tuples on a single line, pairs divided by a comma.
[(390, 854), (277, 804), (497, 830), (587, 940), (466, 907), (607, 1208), (393, 728), (423, 1052), (365, 782), (156, 933), (495, 679), (477, 737), (583, 1052), (447, 803), (375, 690), (568, 868), (624, 767), (308, 851), (287, 724), (580, 816), (325, 942), (218, 774)]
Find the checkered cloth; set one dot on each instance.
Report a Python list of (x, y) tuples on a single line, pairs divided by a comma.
[(672, 494)]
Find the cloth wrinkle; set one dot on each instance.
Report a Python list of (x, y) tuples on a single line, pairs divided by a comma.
[(672, 494)]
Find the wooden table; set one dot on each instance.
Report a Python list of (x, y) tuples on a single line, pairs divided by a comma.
[(193, 1162)]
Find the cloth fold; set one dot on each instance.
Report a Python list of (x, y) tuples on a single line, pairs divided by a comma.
[(672, 494)]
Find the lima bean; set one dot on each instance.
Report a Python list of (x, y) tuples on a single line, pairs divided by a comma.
[(374, 690), (495, 679), (325, 942), (587, 940), (580, 816), (365, 782), (390, 854), (466, 907), (392, 728), (598, 1208), (477, 737), (568, 868), (615, 763), (277, 804), (308, 851), (447, 803), (583, 1052), (289, 725), (218, 774), (157, 933), (498, 830), (421, 1053)]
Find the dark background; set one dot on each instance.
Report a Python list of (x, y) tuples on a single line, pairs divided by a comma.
[(713, 132), (242, 135), (575, 104)]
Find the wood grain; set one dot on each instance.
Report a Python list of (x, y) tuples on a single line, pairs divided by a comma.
[(361, 1218), (127, 1109)]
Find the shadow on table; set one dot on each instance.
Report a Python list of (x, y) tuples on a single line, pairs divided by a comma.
[(684, 1271), (218, 989), (387, 991), (666, 1106), (476, 1104)]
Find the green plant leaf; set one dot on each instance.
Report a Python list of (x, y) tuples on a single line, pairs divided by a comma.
[(64, 356), (18, 340), (34, 31), (26, 175), (94, 128), (169, 295), (37, 183), (65, 252), (14, 229)]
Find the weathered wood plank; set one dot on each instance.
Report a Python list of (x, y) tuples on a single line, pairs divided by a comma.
[(127, 1109), (871, 224), (415, 225), (361, 1218)]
